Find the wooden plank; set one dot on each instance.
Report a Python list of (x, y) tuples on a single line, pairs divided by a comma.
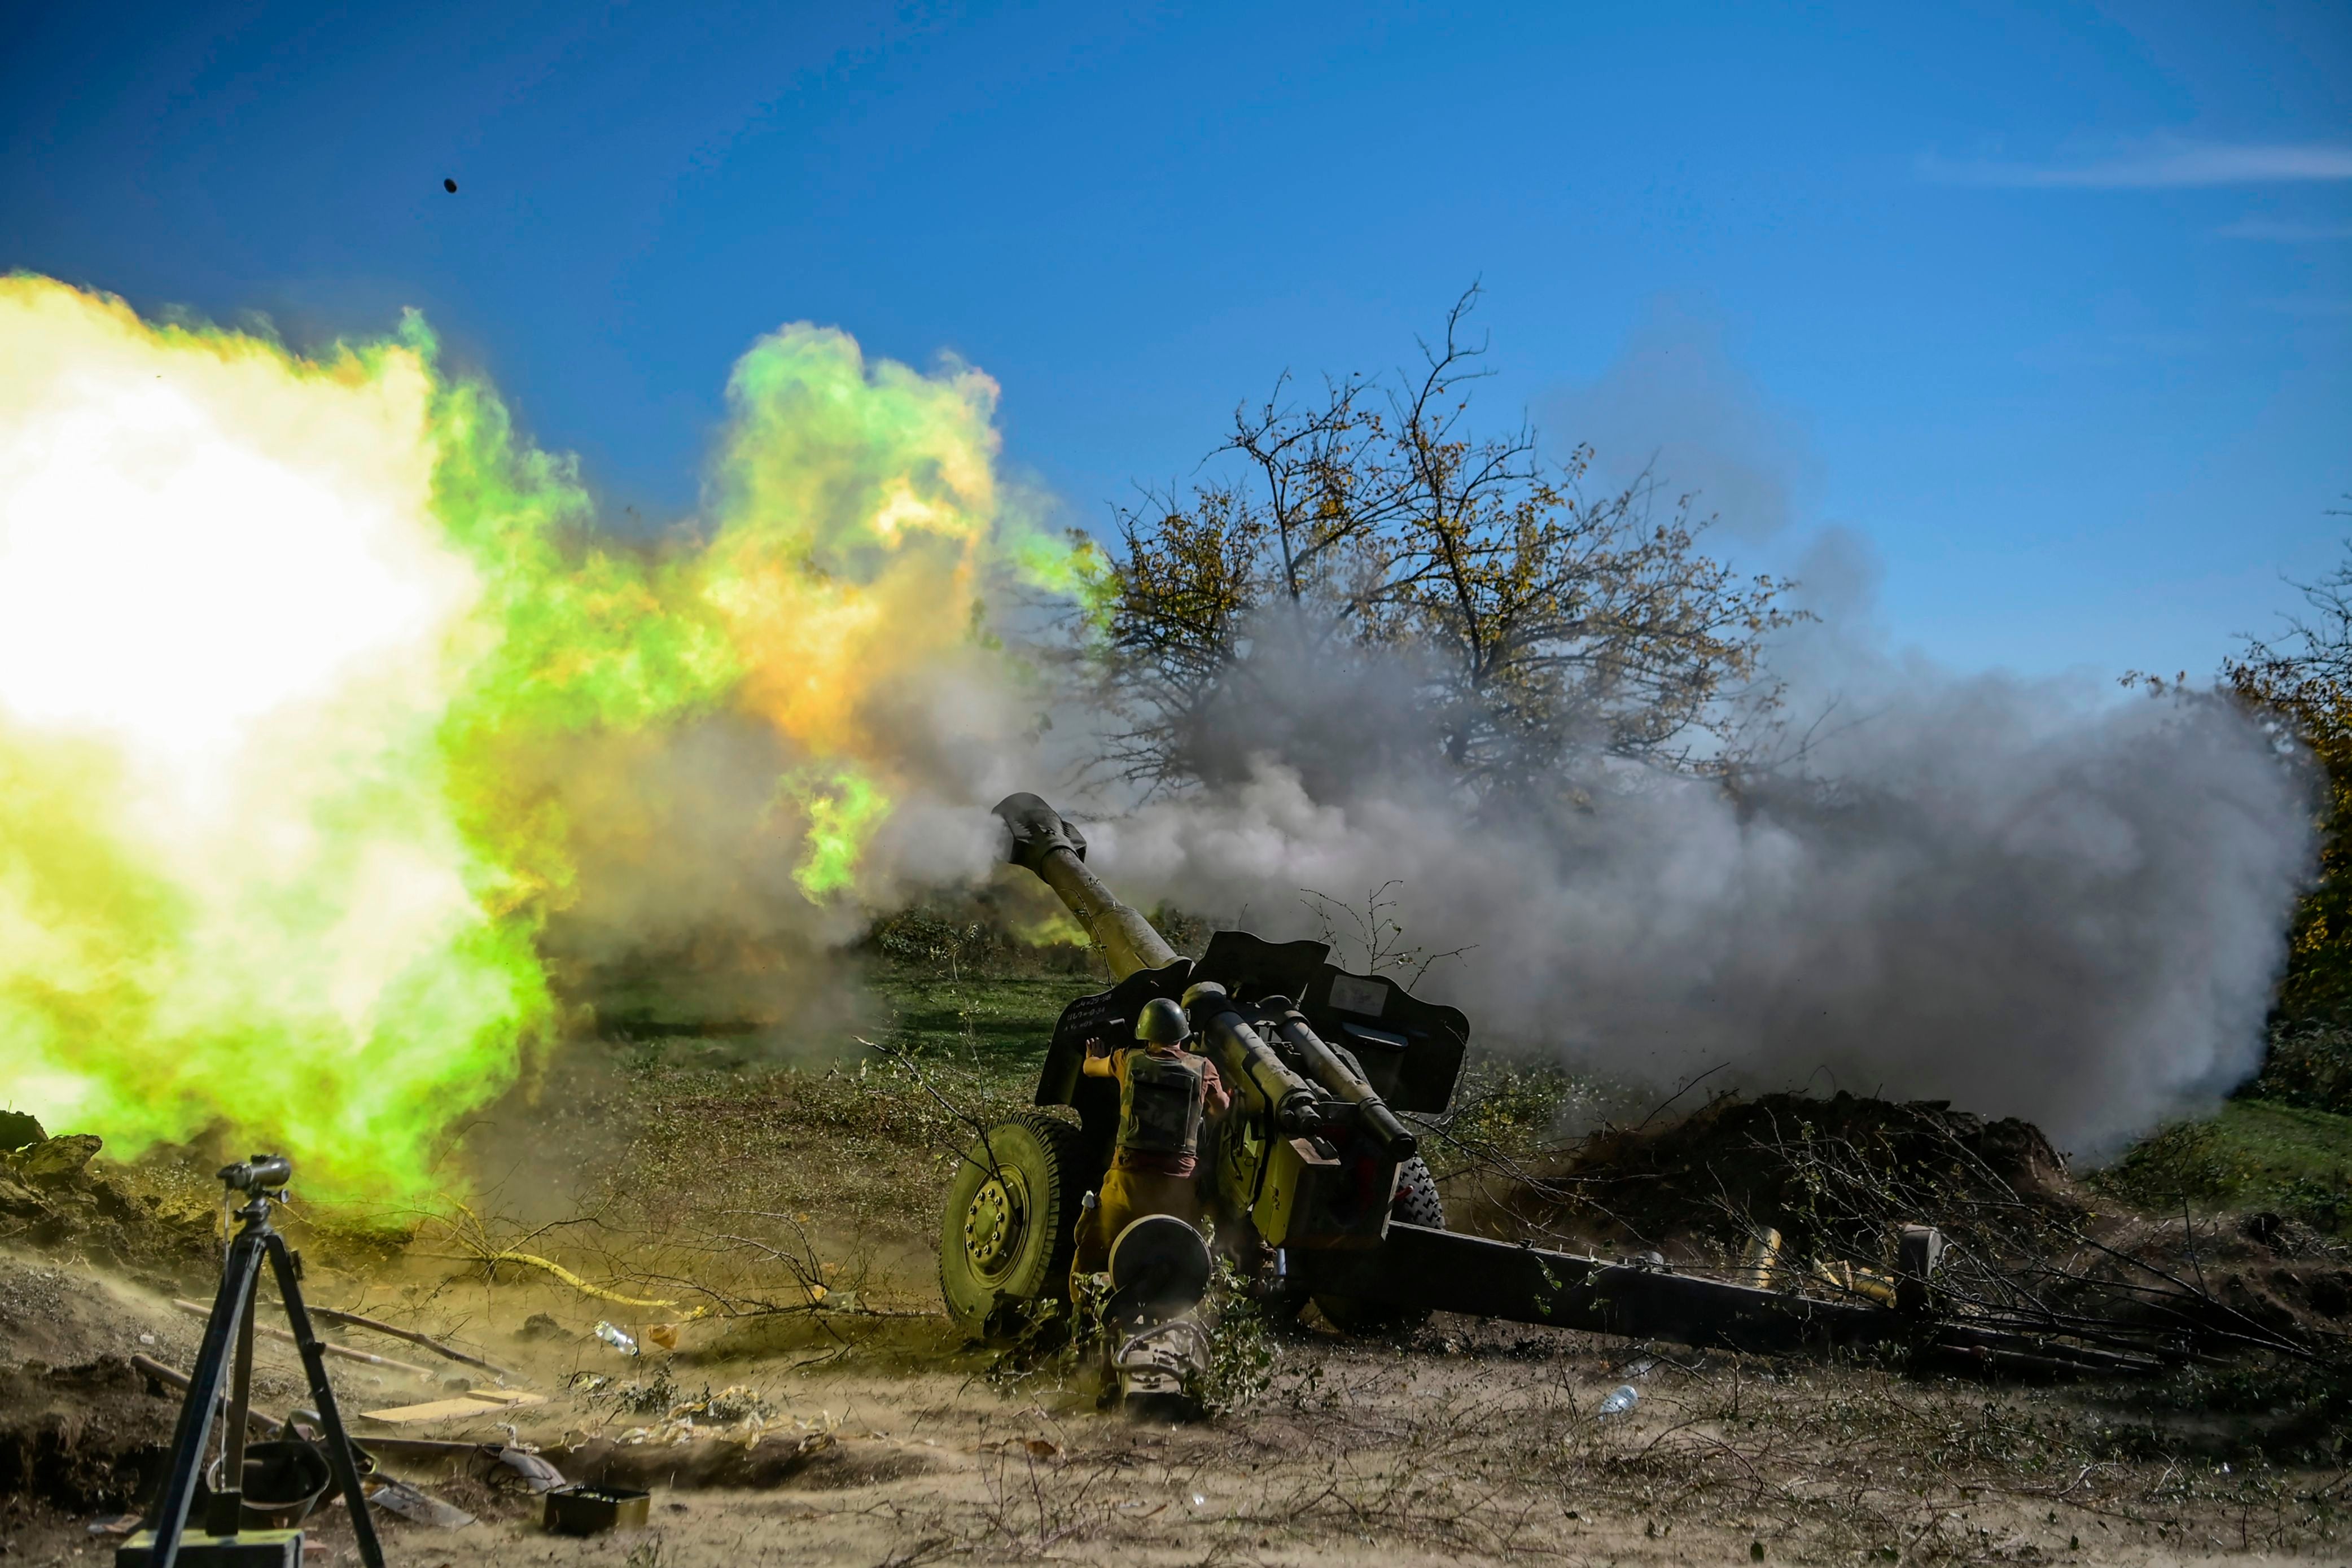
[(473, 1403)]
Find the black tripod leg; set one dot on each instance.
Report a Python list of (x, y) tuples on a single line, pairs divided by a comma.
[(339, 1445), (238, 1276), (228, 1498)]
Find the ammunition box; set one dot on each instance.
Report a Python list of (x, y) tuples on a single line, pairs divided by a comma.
[(251, 1548)]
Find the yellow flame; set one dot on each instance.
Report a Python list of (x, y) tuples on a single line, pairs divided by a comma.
[(856, 505), (272, 630), (225, 609), (842, 812)]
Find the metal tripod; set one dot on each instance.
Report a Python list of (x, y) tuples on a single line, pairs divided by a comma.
[(262, 1179)]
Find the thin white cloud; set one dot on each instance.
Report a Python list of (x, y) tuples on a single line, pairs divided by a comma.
[(2283, 232), (2320, 306), (2163, 166)]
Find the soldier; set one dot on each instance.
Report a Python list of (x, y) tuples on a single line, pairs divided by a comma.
[(1163, 1093)]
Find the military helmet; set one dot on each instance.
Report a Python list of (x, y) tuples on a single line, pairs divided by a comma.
[(1161, 1023)]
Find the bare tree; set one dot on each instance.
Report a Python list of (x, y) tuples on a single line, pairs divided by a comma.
[(1528, 622)]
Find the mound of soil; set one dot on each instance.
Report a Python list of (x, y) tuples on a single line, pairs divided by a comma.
[(2256, 1273), (57, 1197), (1829, 1174), (1837, 1177), (813, 1460), (85, 1437), (79, 1428)]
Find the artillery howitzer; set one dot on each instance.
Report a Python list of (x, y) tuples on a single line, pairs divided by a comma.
[(1313, 1181)]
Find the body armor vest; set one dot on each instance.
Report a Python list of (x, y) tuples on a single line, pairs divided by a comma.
[(1159, 1104)]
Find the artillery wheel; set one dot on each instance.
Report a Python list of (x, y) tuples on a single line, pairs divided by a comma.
[(1008, 1232), (1416, 1203)]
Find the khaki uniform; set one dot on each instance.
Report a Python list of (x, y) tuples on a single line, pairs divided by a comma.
[(1151, 1169)]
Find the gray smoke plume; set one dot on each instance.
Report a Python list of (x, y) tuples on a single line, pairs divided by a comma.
[(1676, 403), (685, 845), (2029, 898)]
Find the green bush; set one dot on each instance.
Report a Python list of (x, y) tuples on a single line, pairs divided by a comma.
[(2308, 1065), (2186, 1160), (1242, 1348)]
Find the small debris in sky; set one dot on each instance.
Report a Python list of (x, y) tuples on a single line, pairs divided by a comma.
[(450, 186)]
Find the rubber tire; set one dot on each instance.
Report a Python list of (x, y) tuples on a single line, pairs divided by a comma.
[(1416, 1203), (1042, 1153)]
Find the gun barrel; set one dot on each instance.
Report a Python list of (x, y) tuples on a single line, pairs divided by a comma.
[(1332, 1071), (1055, 851), (1250, 1066)]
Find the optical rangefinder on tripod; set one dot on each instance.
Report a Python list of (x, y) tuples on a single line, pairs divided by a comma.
[(235, 1530)]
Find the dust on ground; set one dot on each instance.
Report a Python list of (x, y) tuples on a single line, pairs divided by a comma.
[(880, 1441), (769, 1212)]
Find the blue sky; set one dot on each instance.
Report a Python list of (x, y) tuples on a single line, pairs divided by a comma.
[(2050, 308)]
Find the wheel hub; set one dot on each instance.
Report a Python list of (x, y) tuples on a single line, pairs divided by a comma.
[(992, 1226)]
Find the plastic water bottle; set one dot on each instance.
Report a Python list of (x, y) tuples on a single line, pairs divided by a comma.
[(616, 1339), (1620, 1399)]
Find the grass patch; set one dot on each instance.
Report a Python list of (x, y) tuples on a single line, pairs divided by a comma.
[(996, 1024), (751, 1159), (2256, 1155)]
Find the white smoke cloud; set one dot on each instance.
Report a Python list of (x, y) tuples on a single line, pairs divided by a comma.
[(2035, 897), (2029, 898), (2163, 162), (1675, 404)]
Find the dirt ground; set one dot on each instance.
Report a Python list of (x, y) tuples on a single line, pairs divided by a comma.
[(854, 1438), (821, 1410)]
